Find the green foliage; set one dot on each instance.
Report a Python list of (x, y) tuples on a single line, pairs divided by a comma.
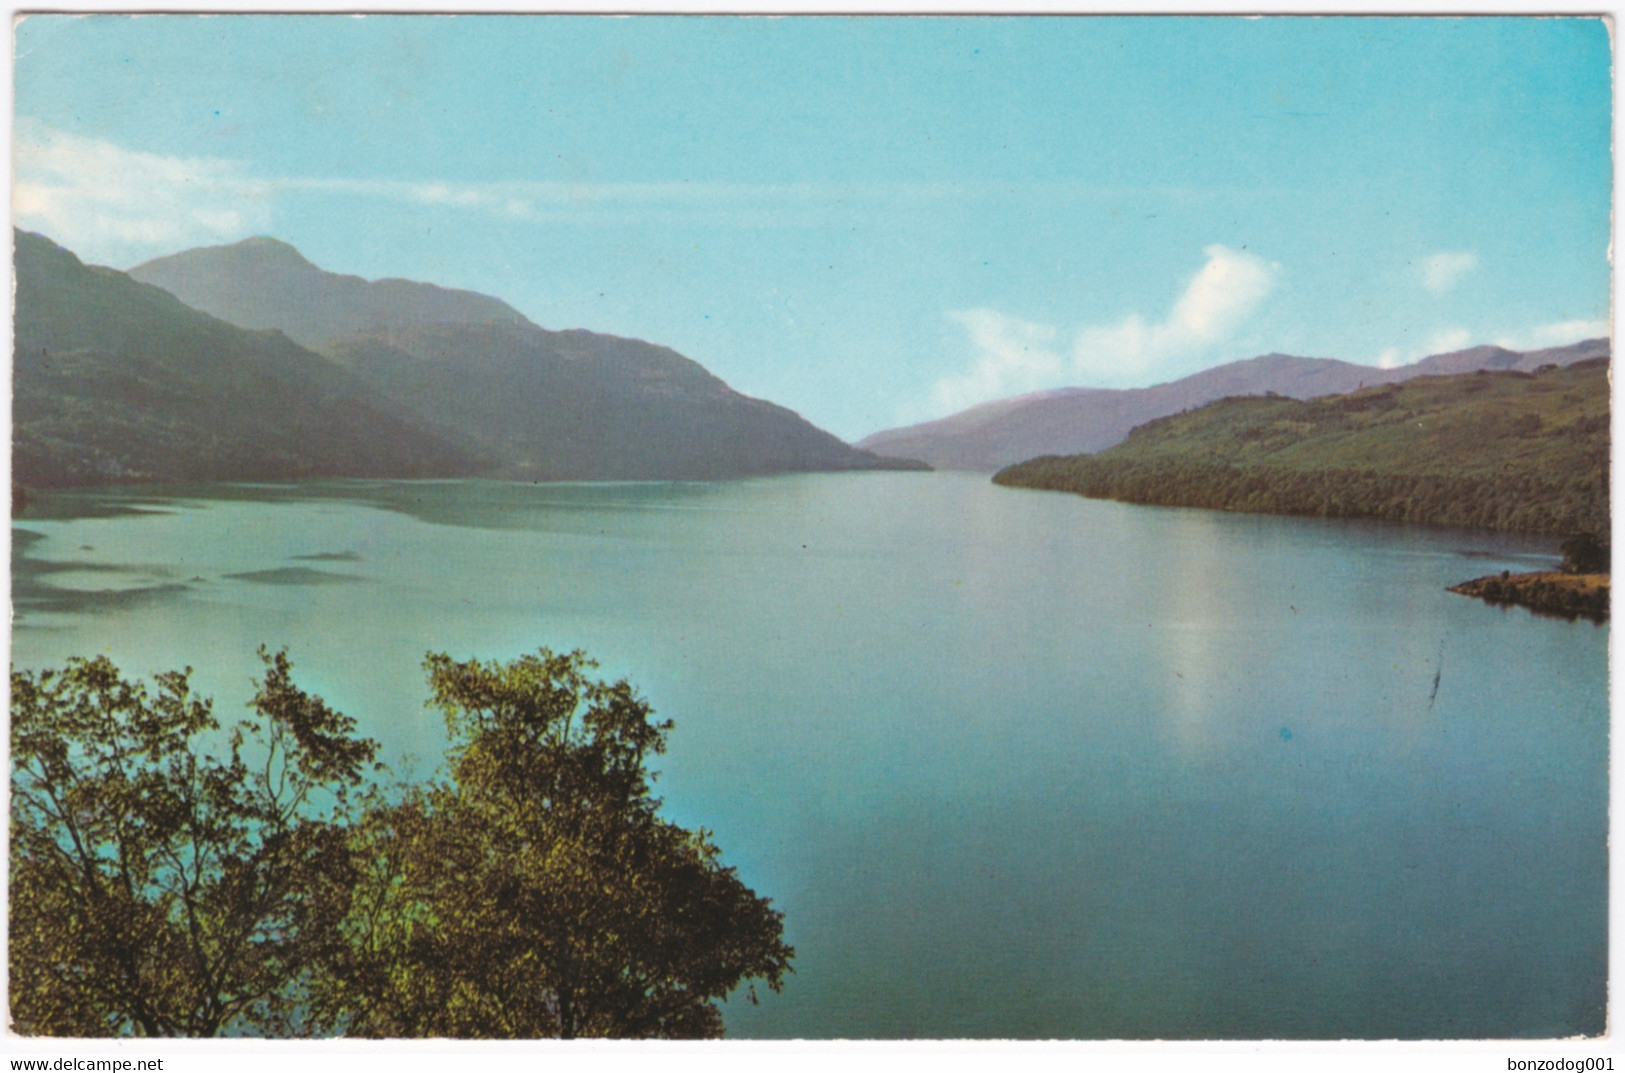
[(537, 892), (1510, 451), (1585, 553), (160, 891), (157, 890)]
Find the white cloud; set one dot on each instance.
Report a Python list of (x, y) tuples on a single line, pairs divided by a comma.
[(1444, 269), (1541, 336), (1561, 332), (1448, 340), (111, 204), (114, 205), (1443, 341), (1218, 298), (1013, 356)]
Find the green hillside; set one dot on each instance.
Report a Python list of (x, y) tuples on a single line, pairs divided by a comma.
[(1495, 450)]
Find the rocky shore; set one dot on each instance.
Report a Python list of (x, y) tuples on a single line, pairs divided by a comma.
[(1548, 592)]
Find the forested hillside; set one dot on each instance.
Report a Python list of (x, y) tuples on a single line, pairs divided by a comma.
[(1497, 450)]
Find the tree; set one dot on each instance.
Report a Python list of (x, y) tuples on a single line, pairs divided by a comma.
[(537, 892), (158, 890), (1585, 553)]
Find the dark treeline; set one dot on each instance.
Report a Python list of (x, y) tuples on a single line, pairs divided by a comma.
[(1525, 503), (171, 876)]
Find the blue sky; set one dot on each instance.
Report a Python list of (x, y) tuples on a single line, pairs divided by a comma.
[(871, 221)]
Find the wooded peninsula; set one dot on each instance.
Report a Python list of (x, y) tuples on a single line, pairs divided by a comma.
[(1512, 451)]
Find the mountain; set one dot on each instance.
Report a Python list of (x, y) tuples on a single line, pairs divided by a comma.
[(542, 405), (115, 380), (263, 283), (1509, 450), (1499, 358), (584, 406), (1085, 420)]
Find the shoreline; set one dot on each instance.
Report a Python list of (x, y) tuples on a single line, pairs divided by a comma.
[(1545, 592)]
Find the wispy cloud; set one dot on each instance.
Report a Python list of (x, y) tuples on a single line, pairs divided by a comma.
[(1446, 340), (1015, 356), (1224, 293), (117, 205), (1442, 271), (113, 203), (1443, 341), (1557, 333), (1012, 356)]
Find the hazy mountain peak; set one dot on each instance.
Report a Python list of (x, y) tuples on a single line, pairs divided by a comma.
[(264, 282), (266, 246), (268, 252), (1276, 357), (250, 258)]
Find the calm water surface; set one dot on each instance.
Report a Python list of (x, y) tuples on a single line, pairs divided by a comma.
[(1014, 764)]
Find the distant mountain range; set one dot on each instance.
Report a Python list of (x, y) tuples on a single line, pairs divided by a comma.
[(249, 362), (1085, 420)]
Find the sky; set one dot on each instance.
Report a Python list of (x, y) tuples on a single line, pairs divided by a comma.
[(872, 221)]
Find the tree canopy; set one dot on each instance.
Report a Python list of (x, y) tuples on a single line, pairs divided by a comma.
[(156, 889), (532, 889), (537, 891), (1586, 553)]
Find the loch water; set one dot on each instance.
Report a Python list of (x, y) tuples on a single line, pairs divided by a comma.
[(1012, 763)]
